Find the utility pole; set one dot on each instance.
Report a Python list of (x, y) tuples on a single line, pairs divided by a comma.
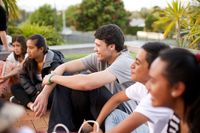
[(55, 15)]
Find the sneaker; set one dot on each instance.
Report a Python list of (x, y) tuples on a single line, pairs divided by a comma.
[(14, 100)]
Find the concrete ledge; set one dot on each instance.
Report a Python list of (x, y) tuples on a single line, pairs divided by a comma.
[(4, 55), (73, 49), (150, 35)]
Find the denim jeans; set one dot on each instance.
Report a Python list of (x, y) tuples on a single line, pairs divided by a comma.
[(117, 116)]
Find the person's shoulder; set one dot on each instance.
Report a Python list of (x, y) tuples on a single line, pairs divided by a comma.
[(56, 56), (124, 54), (123, 59), (11, 57), (91, 58), (138, 84)]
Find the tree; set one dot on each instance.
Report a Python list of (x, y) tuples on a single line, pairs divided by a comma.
[(11, 8), (193, 27), (46, 16), (144, 12), (150, 19), (91, 14), (70, 14), (174, 16)]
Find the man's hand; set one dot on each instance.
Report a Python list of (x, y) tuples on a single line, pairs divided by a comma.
[(94, 128), (40, 104)]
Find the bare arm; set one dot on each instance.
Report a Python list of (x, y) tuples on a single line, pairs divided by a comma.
[(112, 103), (4, 39), (71, 66), (15, 71), (40, 103), (131, 123), (82, 81)]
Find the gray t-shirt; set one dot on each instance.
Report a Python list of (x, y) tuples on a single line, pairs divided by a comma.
[(120, 68)]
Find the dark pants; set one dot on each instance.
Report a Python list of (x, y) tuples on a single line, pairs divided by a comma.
[(20, 94), (71, 107)]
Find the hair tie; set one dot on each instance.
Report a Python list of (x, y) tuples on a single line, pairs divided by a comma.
[(197, 56)]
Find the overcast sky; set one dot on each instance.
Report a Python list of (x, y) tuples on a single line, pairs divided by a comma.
[(131, 5)]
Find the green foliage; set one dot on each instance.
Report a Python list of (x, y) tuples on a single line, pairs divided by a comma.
[(91, 14), (70, 15), (14, 30), (174, 17), (47, 16), (144, 12), (52, 37), (11, 8), (133, 54), (150, 19), (132, 30)]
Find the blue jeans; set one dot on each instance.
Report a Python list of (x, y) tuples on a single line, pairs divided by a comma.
[(117, 116)]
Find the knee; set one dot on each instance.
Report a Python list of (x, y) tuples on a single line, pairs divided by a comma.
[(116, 116)]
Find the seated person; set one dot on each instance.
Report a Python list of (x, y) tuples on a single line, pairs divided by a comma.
[(85, 94), (40, 62), (13, 64), (174, 83), (140, 73)]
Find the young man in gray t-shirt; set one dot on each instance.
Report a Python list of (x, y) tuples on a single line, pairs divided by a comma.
[(85, 94)]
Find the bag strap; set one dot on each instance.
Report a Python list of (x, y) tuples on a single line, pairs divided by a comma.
[(60, 125), (89, 121)]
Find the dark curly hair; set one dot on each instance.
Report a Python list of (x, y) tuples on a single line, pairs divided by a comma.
[(111, 34)]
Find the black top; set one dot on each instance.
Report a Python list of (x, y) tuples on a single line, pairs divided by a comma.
[(3, 22)]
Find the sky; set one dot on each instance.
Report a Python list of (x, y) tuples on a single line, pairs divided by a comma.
[(131, 5)]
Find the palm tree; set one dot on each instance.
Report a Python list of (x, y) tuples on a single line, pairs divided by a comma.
[(173, 17), (11, 8), (193, 27)]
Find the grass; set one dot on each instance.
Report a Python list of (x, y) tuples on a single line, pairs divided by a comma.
[(133, 54), (77, 56), (74, 56)]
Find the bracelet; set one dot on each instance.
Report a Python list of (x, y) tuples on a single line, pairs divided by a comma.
[(49, 81)]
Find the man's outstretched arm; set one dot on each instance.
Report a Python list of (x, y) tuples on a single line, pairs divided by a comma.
[(81, 81)]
